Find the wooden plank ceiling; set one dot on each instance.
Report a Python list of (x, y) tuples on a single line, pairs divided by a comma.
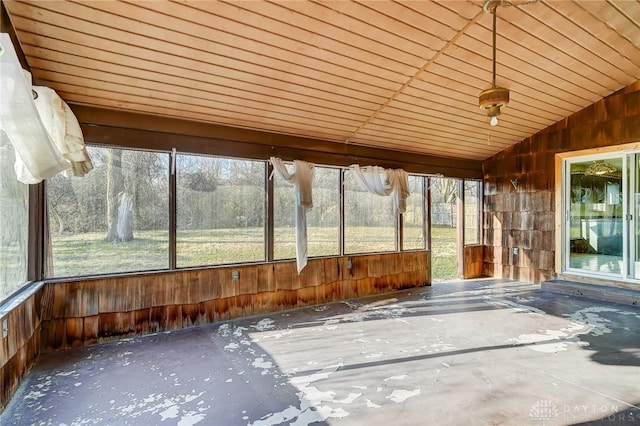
[(398, 75)]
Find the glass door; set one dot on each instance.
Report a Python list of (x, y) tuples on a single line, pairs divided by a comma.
[(595, 207), (634, 218)]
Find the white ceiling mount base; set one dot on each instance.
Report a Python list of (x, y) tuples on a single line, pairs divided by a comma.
[(491, 5)]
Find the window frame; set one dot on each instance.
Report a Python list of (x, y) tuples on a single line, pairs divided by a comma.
[(269, 214), (479, 210), (45, 236)]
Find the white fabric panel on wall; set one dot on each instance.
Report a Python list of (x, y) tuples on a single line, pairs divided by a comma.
[(302, 179)]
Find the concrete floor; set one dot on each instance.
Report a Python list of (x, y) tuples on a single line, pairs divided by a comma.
[(481, 352)]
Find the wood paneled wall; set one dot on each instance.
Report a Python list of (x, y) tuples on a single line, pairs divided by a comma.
[(78, 313), (20, 348), (473, 266), (523, 216)]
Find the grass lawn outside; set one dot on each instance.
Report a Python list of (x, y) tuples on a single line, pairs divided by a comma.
[(444, 256), (89, 254)]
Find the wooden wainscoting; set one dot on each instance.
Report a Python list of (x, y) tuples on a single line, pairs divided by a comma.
[(473, 261), (79, 313), (20, 348)]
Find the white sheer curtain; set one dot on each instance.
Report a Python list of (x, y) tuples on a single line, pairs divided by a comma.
[(36, 156), (64, 130), (44, 133), (383, 181), (302, 179)]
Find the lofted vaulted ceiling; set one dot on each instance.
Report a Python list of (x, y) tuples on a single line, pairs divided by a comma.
[(389, 74)]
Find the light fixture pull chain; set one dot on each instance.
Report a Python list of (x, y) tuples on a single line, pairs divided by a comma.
[(495, 97), (494, 48)]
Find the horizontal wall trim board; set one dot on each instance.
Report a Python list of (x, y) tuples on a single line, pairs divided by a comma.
[(110, 127)]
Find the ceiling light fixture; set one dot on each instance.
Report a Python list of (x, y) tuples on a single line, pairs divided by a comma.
[(495, 97), (599, 168)]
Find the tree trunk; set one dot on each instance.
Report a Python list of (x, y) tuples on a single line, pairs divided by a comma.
[(115, 185), (58, 219), (125, 217)]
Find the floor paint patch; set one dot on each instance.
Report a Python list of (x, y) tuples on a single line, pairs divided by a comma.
[(232, 346), (313, 402), (271, 335), (399, 395), (191, 419), (514, 305), (584, 322), (551, 341), (589, 316), (401, 377), (66, 373), (264, 325), (238, 331), (34, 395), (170, 413), (261, 363), (370, 404), (350, 398), (224, 330)]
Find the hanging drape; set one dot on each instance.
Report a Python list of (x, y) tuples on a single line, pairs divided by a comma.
[(36, 156), (44, 133), (302, 179), (64, 129), (383, 181)]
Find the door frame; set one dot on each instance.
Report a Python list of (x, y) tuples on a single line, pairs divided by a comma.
[(562, 161)]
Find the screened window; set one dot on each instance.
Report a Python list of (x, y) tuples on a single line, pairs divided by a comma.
[(114, 219), (444, 228), (369, 219), (472, 205), (323, 220), (413, 235), (284, 223), (117, 218), (220, 211), (14, 217)]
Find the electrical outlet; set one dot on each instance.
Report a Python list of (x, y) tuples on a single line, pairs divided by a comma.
[(349, 264), (516, 250), (235, 275), (5, 328)]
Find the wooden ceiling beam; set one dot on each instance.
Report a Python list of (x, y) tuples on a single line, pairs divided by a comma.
[(134, 130)]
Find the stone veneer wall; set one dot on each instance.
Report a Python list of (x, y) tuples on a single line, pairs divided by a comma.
[(523, 217), (65, 314)]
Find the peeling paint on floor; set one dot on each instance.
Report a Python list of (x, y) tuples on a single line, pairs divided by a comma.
[(583, 322), (474, 352)]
